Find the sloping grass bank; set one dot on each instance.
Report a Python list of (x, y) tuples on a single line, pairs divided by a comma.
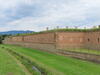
[(32, 67), (89, 51), (58, 64), (8, 65)]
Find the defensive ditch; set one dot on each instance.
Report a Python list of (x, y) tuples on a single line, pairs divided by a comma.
[(32, 67), (78, 55), (84, 56)]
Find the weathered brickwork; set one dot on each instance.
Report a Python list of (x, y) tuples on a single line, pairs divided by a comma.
[(92, 40), (47, 38), (66, 40), (44, 41), (58, 40)]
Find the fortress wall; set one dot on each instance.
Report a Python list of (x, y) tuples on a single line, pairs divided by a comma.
[(43, 41), (17, 39), (58, 40), (92, 40), (44, 38), (68, 40)]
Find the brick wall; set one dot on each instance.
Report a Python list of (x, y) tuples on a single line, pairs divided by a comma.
[(58, 40), (66, 40), (92, 40), (46, 38), (43, 41)]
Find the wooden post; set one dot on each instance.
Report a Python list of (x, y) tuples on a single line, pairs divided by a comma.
[(76, 27), (57, 27), (47, 28), (66, 27), (99, 26), (84, 27)]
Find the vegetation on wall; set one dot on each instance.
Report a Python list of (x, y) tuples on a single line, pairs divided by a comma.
[(61, 30), (72, 30), (2, 37)]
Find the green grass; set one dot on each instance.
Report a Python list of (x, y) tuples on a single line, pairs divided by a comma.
[(97, 52), (58, 64), (8, 65)]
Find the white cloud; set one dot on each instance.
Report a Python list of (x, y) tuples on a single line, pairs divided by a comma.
[(53, 13)]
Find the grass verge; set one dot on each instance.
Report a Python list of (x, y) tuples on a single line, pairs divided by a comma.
[(88, 51), (57, 64), (8, 66)]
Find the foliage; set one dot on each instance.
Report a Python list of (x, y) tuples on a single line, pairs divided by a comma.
[(61, 30), (2, 37)]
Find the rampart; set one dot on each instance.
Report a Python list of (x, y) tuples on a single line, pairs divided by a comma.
[(58, 40)]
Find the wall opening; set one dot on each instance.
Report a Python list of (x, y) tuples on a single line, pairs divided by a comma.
[(98, 39), (88, 39)]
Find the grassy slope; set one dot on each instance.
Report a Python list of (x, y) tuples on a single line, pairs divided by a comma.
[(97, 52), (8, 66), (66, 65)]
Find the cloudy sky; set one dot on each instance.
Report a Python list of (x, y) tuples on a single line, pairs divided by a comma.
[(36, 15)]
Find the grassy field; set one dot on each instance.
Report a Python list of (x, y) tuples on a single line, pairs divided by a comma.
[(8, 65), (97, 52), (58, 64)]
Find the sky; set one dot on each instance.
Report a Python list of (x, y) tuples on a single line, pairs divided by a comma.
[(36, 15)]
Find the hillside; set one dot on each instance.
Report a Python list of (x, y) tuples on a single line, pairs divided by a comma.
[(14, 32)]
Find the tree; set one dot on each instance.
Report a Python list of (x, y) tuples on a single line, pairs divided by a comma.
[(2, 37)]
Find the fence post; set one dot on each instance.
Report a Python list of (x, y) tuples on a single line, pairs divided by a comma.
[(47, 28)]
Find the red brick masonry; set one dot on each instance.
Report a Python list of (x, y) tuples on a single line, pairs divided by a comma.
[(58, 40)]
